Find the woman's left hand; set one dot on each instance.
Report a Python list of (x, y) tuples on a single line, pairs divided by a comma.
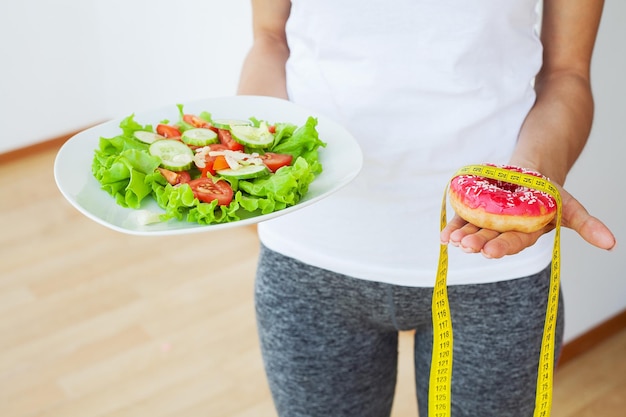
[(492, 244)]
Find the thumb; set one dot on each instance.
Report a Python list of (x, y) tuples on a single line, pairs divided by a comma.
[(590, 228)]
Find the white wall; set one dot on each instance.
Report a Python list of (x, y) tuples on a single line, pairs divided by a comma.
[(67, 64), (51, 74)]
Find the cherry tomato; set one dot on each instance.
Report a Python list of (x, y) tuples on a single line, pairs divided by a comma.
[(218, 147), (195, 121), (175, 177), (168, 131), (192, 147), (226, 139), (273, 161), (206, 190)]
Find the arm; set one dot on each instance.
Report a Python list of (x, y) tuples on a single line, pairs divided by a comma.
[(555, 130), (263, 71), (557, 127)]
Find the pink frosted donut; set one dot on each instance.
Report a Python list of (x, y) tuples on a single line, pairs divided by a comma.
[(501, 206)]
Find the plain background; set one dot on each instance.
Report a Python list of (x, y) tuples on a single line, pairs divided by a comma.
[(70, 64)]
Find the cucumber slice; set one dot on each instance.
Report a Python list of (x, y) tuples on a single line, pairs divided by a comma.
[(147, 137), (175, 155), (254, 137), (227, 123), (245, 172), (199, 137)]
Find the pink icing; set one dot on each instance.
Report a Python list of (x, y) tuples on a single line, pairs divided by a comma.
[(498, 197)]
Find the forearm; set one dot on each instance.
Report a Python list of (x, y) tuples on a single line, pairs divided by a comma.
[(556, 129), (263, 71)]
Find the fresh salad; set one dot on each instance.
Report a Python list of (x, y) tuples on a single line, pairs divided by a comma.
[(206, 170)]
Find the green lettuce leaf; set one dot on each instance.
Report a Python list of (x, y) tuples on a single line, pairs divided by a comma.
[(130, 126), (125, 176), (275, 192), (176, 201), (180, 203), (302, 142)]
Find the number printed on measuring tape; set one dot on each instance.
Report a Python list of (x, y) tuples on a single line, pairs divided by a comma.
[(439, 395)]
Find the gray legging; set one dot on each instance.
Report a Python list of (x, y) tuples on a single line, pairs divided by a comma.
[(329, 342)]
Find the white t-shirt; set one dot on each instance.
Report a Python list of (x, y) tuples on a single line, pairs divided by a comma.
[(426, 87)]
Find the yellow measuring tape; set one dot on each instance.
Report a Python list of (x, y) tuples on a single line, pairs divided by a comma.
[(439, 395)]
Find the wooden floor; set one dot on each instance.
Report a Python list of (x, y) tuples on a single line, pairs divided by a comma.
[(94, 323)]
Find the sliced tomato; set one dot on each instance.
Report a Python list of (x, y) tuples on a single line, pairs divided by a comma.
[(207, 190), (218, 147), (274, 161), (226, 139), (168, 131), (192, 147), (272, 129), (175, 177), (196, 121)]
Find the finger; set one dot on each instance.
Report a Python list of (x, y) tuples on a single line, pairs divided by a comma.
[(509, 243), (475, 241), (597, 233), (454, 224), (577, 218), (457, 237)]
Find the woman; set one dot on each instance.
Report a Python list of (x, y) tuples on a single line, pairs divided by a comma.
[(426, 87)]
